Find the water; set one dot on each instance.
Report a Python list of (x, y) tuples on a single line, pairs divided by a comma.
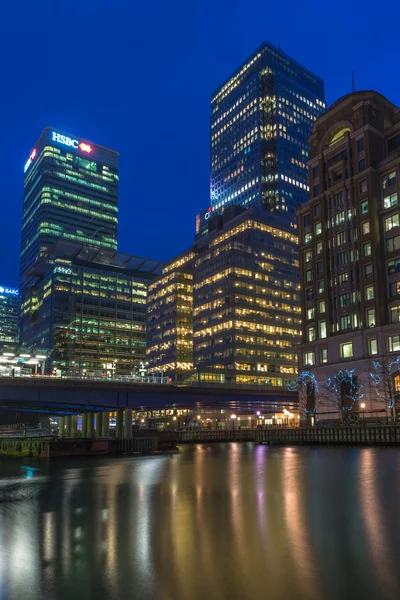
[(231, 521)]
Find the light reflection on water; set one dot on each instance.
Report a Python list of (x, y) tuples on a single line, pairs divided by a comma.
[(226, 521)]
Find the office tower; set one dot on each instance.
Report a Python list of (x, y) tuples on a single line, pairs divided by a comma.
[(246, 304), (261, 118), (70, 192), (170, 319), (88, 305), (350, 246), (9, 306)]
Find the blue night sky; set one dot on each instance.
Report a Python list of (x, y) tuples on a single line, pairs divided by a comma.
[(137, 77)]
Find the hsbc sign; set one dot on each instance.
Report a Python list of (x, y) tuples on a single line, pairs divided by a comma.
[(67, 141)]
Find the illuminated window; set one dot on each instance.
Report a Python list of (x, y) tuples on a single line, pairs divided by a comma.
[(394, 289), (318, 247), (388, 180), (346, 350), (322, 329), (371, 317), (318, 229), (324, 355), (395, 314), (308, 256), (394, 266), (369, 292), (392, 221), (321, 286), (390, 200), (365, 227), (373, 347), (364, 207), (310, 313), (307, 238), (321, 306), (394, 343), (311, 334), (308, 359), (367, 249), (309, 275)]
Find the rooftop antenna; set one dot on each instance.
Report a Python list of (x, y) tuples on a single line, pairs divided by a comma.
[(352, 80)]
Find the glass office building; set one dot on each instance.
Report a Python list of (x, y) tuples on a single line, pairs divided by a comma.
[(170, 319), (9, 306), (246, 308), (70, 192), (234, 319), (88, 305), (261, 119)]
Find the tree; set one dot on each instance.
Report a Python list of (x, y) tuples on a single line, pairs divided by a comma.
[(343, 391), (382, 376), (307, 381)]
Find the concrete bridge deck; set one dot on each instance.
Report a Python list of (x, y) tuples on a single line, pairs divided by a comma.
[(66, 396)]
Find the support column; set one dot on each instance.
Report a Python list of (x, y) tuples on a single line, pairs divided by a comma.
[(61, 426), (68, 424), (119, 423), (99, 420), (128, 424), (90, 425), (105, 424), (84, 425), (74, 426)]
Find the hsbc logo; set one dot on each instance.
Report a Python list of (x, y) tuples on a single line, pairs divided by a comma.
[(67, 141)]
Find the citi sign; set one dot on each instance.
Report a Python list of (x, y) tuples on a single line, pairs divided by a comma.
[(67, 141)]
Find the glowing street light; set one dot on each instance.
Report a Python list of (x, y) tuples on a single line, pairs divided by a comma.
[(363, 405)]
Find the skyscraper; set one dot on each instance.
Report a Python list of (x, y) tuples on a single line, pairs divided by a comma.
[(9, 305), (70, 191), (88, 305), (261, 118)]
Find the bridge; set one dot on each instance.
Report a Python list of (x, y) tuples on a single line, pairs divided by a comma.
[(79, 396)]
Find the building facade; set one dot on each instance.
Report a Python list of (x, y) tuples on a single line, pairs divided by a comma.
[(70, 192), (245, 307), (88, 305), (170, 319), (9, 307), (261, 118), (350, 252)]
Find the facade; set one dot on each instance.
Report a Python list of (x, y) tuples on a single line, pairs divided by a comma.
[(170, 319), (350, 249), (9, 307), (246, 308), (88, 305), (70, 192), (261, 118), (246, 305)]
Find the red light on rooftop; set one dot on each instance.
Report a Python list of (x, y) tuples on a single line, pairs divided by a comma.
[(85, 147)]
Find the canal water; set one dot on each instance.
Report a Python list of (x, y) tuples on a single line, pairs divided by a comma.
[(228, 521)]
